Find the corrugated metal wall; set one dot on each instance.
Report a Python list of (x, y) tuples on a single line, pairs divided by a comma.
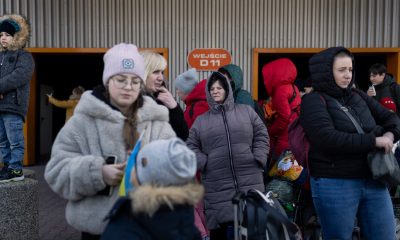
[(236, 25)]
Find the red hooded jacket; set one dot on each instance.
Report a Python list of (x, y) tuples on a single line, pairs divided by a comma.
[(196, 103), (279, 77)]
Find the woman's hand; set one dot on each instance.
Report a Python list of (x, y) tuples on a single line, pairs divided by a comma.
[(389, 135), (384, 142), (166, 98), (113, 173)]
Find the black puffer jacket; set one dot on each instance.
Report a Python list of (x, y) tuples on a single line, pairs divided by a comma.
[(337, 150)]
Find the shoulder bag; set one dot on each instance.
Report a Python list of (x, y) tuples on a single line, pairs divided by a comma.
[(384, 166)]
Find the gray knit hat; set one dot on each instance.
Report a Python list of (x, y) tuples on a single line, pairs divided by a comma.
[(166, 162), (186, 81)]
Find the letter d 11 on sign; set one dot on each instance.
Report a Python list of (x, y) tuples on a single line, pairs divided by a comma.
[(208, 59)]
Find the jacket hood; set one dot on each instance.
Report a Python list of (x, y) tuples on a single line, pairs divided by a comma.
[(321, 72), (149, 198), (90, 105), (277, 73), (236, 74), (21, 37), (198, 93), (227, 104)]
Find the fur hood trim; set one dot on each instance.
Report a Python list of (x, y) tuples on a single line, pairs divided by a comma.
[(149, 198), (21, 37)]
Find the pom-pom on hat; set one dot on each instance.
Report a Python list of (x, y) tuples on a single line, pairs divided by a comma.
[(123, 58), (165, 162), (389, 104), (9, 26), (186, 81)]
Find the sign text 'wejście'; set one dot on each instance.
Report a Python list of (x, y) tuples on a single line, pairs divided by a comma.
[(211, 55)]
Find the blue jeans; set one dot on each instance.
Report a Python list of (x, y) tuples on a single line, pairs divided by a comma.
[(12, 140), (339, 201)]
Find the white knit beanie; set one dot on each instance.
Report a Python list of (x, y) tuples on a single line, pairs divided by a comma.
[(123, 58), (166, 162), (186, 81)]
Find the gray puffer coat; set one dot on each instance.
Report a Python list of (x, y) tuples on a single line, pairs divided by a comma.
[(231, 145)]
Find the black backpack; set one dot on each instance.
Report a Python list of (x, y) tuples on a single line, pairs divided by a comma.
[(261, 217)]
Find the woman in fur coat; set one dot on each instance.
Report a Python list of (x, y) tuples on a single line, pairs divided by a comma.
[(106, 124)]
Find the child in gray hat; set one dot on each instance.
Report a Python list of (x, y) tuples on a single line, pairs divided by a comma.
[(161, 204)]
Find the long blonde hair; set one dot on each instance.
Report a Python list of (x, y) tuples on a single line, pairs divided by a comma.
[(153, 61)]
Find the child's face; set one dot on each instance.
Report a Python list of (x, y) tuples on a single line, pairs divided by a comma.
[(5, 39), (376, 79)]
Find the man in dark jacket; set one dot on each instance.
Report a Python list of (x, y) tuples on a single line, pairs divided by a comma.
[(384, 86)]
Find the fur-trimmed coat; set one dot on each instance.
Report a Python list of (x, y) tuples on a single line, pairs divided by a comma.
[(155, 212), (78, 155), (16, 70)]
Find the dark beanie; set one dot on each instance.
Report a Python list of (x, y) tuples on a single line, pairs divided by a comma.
[(9, 26)]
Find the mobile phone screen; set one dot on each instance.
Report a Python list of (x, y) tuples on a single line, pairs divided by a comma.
[(111, 160)]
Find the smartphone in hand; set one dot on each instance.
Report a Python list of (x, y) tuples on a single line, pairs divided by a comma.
[(112, 159)]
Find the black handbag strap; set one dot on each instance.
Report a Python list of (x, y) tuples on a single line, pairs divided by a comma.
[(353, 120)]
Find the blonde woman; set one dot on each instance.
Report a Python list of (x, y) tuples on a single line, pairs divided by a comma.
[(156, 88)]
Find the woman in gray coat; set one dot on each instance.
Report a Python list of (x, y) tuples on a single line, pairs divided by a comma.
[(231, 145), (105, 126)]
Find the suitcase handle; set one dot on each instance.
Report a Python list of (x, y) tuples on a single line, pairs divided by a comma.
[(238, 196)]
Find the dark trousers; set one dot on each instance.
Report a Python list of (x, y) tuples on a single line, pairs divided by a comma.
[(88, 236), (224, 232)]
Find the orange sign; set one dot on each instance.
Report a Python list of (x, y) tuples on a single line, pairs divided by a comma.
[(208, 59)]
